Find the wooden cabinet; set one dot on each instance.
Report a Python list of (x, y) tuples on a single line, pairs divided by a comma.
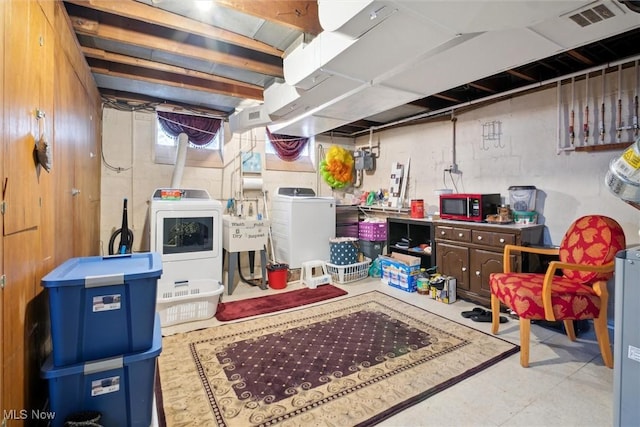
[(452, 259), (417, 232), (470, 252)]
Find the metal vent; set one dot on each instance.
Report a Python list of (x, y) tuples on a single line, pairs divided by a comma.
[(593, 15), (254, 115)]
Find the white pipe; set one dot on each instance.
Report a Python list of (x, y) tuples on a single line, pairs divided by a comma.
[(619, 114), (602, 107), (572, 113), (454, 160), (239, 193), (319, 152), (181, 158), (561, 147), (446, 110), (586, 110), (635, 101)]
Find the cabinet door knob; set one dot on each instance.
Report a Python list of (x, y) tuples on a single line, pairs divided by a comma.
[(479, 237), (459, 234), (501, 240), (464, 268), (442, 233), (478, 273)]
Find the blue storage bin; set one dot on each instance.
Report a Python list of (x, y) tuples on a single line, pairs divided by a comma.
[(102, 306), (119, 388)]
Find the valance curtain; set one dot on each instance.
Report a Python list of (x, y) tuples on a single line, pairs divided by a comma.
[(200, 130), (287, 148)]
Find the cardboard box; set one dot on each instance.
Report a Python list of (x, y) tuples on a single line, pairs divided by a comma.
[(405, 263), (400, 271), (445, 293)]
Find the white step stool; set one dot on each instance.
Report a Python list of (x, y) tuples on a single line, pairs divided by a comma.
[(307, 277)]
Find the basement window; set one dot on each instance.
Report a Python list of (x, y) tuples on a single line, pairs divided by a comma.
[(203, 148), (304, 162)]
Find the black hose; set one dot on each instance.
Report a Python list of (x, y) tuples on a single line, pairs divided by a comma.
[(252, 282), (122, 249), (126, 239)]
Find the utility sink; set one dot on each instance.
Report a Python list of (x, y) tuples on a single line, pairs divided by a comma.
[(244, 234)]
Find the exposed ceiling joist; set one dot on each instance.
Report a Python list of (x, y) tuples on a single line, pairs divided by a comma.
[(577, 55), (136, 99), (150, 41), (483, 87), (183, 82), (301, 15), (139, 11), (232, 52), (239, 87), (447, 97), (521, 75)]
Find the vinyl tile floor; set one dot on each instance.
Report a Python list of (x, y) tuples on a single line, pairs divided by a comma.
[(565, 385)]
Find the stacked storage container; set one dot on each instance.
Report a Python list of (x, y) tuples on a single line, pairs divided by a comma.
[(373, 236), (106, 337)]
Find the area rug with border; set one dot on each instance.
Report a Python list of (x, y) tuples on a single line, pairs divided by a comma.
[(352, 361)]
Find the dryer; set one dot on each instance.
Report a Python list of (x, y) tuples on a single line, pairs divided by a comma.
[(301, 225), (186, 229)]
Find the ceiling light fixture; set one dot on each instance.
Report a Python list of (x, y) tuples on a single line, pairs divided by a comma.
[(204, 5)]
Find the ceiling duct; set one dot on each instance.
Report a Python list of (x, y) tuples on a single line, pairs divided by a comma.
[(249, 118), (284, 101), (353, 18), (389, 53), (568, 33)]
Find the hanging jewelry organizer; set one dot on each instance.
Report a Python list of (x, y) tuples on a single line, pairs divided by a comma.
[(598, 108)]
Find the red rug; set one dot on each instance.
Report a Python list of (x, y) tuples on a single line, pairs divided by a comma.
[(271, 303)]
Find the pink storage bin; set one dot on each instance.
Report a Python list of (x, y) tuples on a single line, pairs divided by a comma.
[(372, 230)]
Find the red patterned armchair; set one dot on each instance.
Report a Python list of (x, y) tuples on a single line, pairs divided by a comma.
[(586, 261)]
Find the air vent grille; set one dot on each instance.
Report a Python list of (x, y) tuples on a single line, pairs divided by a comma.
[(593, 15)]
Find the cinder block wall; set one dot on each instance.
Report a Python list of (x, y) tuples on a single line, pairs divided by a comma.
[(569, 183), (525, 152), (128, 139)]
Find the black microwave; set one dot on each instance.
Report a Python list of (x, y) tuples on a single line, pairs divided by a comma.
[(469, 207)]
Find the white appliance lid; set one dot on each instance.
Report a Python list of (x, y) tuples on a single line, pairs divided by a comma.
[(296, 192)]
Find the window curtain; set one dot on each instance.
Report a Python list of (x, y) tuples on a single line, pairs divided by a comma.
[(288, 148), (200, 130)]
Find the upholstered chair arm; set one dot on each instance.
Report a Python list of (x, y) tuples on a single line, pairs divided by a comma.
[(506, 262), (551, 271)]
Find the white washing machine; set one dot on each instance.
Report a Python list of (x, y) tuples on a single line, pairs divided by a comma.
[(186, 229), (301, 225)]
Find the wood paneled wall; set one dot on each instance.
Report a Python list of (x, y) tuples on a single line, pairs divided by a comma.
[(2, 157), (48, 216)]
